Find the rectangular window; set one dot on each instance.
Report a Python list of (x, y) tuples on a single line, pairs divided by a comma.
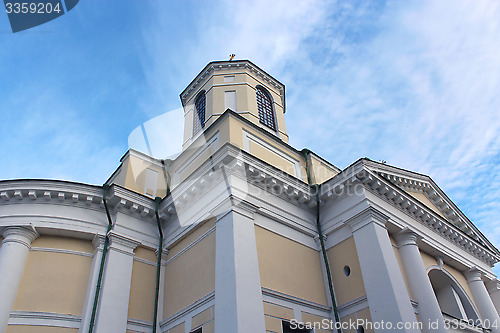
[(230, 99), (198, 330), (294, 328), (229, 78)]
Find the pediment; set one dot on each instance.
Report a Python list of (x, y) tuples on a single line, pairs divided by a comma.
[(422, 188)]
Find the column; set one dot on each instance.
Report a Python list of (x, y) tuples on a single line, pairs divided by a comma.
[(494, 291), (482, 299), (385, 289), (112, 312), (419, 283), (98, 243), (238, 291), (13, 255)]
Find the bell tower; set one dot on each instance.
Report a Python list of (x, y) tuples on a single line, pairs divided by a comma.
[(239, 86)]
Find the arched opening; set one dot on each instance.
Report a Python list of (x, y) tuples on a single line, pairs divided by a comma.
[(451, 297), (265, 107), (199, 117)]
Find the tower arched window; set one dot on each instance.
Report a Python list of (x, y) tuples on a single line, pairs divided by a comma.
[(265, 107), (199, 117)]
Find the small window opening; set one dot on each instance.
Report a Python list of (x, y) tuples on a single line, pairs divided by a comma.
[(265, 106), (347, 270), (199, 116), (295, 327)]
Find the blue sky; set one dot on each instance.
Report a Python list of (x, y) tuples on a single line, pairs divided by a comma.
[(415, 83)]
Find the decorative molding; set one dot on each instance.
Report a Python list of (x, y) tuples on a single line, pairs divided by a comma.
[(365, 217), (353, 306), (121, 243), (184, 250), (75, 195), (44, 319), (223, 65), (139, 326), (193, 306), (64, 251), (426, 216), (23, 235), (294, 300)]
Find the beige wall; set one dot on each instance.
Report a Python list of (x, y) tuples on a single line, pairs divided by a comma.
[(135, 175), (204, 319), (321, 171), (289, 267), (423, 199), (190, 276), (56, 242), (347, 288), (362, 314), (54, 282), (316, 321), (143, 286), (39, 329), (177, 329), (202, 228), (274, 314)]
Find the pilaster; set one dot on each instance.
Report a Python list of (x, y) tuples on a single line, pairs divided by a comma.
[(386, 292), (238, 291), (98, 243), (114, 298)]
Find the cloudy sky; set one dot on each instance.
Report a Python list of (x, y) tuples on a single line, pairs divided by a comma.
[(414, 83)]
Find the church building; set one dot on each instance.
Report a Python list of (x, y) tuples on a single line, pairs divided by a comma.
[(242, 233)]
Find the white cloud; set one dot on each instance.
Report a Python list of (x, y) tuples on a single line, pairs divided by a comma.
[(411, 82)]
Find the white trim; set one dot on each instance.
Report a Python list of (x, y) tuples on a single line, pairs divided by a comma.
[(64, 251), (177, 318), (248, 137), (214, 139), (139, 326), (34, 318), (294, 300), (184, 250), (353, 306), (145, 261)]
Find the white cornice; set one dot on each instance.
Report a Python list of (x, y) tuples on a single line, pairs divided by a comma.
[(228, 161), (426, 216), (75, 195), (240, 64)]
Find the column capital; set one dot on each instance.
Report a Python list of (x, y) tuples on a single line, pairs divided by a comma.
[(164, 253), (406, 237), (473, 275), (20, 234), (316, 239), (493, 285), (369, 215), (98, 242), (122, 243)]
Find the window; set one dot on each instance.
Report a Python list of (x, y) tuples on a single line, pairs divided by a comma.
[(199, 117), (289, 328), (347, 270), (198, 330), (451, 297), (265, 106)]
